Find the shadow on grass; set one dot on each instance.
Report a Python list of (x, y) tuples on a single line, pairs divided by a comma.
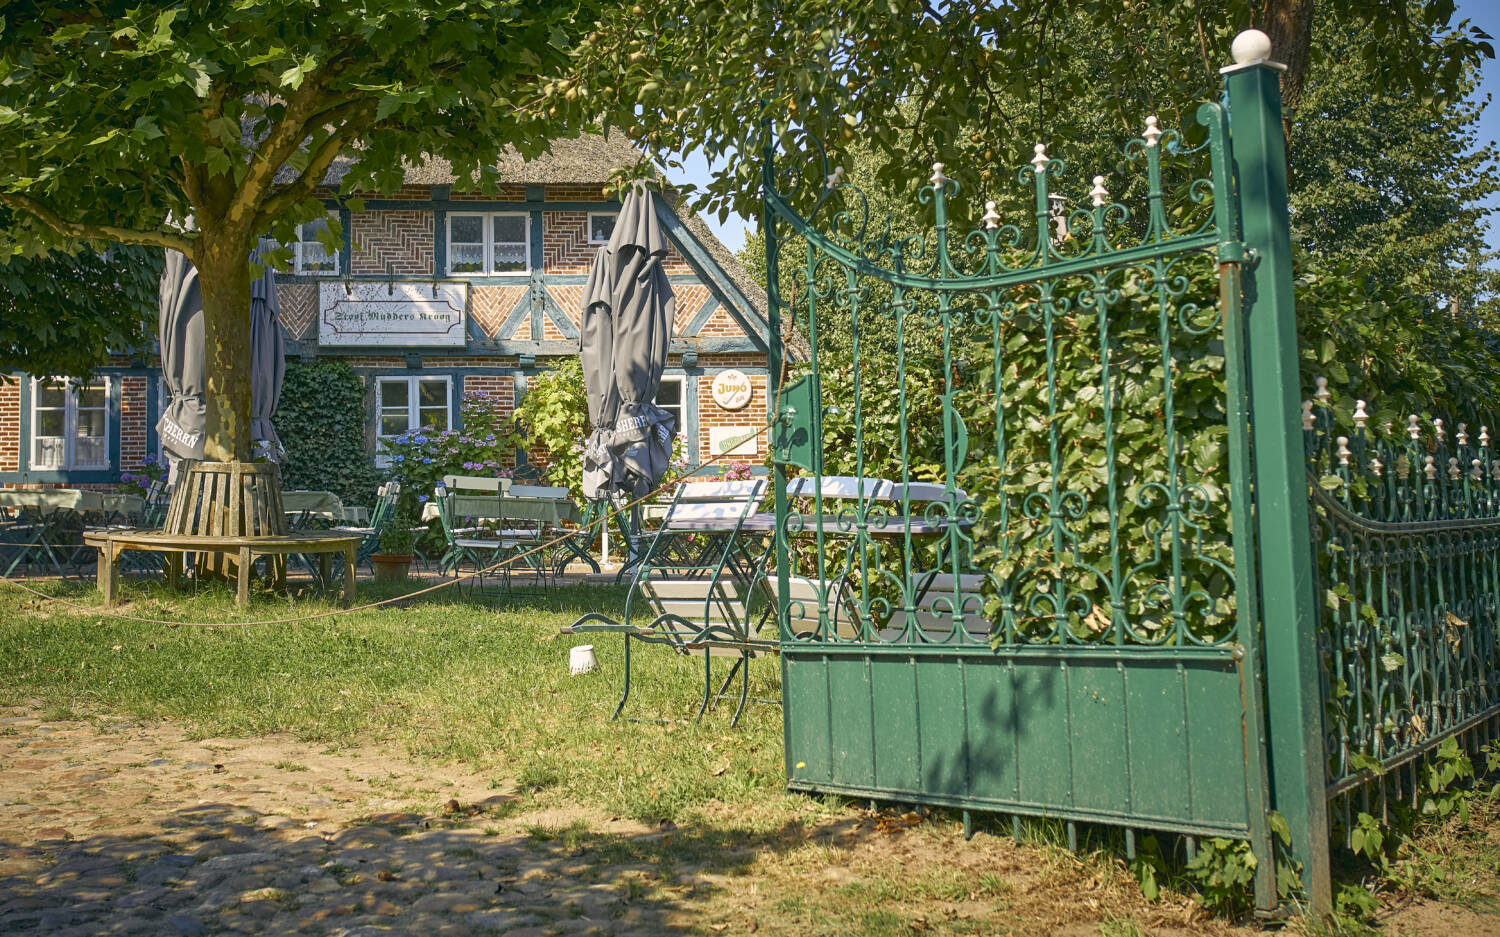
[(307, 596), (219, 867)]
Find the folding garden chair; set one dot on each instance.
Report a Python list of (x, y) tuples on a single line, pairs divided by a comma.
[(707, 608), (528, 514), (384, 504), (463, 549)]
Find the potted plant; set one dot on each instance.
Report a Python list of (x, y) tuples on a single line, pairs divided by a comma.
[(393, 562)]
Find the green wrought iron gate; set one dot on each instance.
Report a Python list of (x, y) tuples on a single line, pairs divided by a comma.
[(1406, 540), (1016, 555)]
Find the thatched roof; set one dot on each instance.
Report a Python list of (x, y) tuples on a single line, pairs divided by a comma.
[(587, 160)]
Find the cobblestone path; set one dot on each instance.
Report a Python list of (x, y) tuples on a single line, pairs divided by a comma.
[(127, 830)]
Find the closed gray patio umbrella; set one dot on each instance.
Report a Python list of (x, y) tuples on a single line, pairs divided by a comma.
[(180, 321), (182, 360), (267, 358), (627, 321)]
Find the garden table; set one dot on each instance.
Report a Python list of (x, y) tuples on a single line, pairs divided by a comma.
[(303, 508), (542, 517), (43, 517)]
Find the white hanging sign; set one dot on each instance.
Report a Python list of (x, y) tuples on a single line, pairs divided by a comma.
[(732, 390), (732, 440), (421, 314)]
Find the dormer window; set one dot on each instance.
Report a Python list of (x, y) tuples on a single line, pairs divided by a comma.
[(311, 258), (601, 226)]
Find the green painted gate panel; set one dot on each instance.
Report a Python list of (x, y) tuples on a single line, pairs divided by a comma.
[(1158, 759), (990, 715), (809, 738), (898, 743), (1098, 745), (943, 737), (1036, 734)]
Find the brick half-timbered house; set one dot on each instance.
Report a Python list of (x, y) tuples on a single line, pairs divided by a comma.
[(436, 292)]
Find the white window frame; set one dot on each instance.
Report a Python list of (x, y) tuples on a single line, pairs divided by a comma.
[(297, 265), (413, 384), (70, 427), (681, 414), (590, 222), (488, 226)]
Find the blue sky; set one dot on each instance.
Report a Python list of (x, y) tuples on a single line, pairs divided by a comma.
[(1484, 13)]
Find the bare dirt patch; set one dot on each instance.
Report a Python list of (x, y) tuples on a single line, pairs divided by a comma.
[(128, 828)]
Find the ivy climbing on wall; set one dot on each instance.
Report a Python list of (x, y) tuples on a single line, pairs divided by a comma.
[(321, 422)]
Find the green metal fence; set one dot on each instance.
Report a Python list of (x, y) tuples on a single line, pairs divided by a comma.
[(1032, 579), (1406, 529)]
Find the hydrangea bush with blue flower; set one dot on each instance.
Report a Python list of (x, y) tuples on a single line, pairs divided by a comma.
[(484, 446), (139, 482)]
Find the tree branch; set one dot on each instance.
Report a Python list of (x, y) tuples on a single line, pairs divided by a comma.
[(88, 232), (312, 175)]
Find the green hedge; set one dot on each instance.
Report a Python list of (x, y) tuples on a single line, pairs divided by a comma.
[(321, 422)]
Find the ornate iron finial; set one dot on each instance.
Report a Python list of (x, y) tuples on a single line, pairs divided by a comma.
[(1343, 451), (1453, 469), (1361, 417), (938, 178), (1099, 194), (1429, 468), (1495, 470), (1476, 469), (1308, 420), (1376, 465), (1484, 436), (1413, 427), (991, 216), (1153, 132), (1039, 161), (835, 178), (1463, 434), (1321, 395), (1388, 427), (1437, 429)]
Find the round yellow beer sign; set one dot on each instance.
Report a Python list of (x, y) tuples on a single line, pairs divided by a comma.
[(731, 390)]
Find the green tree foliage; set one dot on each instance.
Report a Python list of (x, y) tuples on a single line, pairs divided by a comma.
[(321, 421), (914, 79), (124, 120), (1394, 185), (63, 313)]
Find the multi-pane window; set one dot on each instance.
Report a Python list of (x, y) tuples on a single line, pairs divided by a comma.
[(311, 257), (70, 425), (482, 243), (601, 226), (669, 398), (410, 403)]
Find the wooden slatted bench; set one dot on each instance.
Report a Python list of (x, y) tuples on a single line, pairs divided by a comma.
[(325, 543)]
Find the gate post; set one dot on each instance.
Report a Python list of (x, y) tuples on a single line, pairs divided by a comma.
[(1294, 709)]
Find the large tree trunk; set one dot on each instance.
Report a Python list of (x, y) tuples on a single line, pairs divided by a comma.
[(1289, 24), (224, 277)]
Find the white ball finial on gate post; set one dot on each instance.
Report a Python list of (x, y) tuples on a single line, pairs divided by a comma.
[(1250, 47)]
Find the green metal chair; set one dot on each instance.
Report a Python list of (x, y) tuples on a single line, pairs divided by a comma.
[(462, 548), (714, 609), (385, 503)]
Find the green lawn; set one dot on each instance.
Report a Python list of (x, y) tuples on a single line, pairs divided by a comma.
[(443, 677)]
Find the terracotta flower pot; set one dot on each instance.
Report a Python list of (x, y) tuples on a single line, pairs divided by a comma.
[(390, 567)]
